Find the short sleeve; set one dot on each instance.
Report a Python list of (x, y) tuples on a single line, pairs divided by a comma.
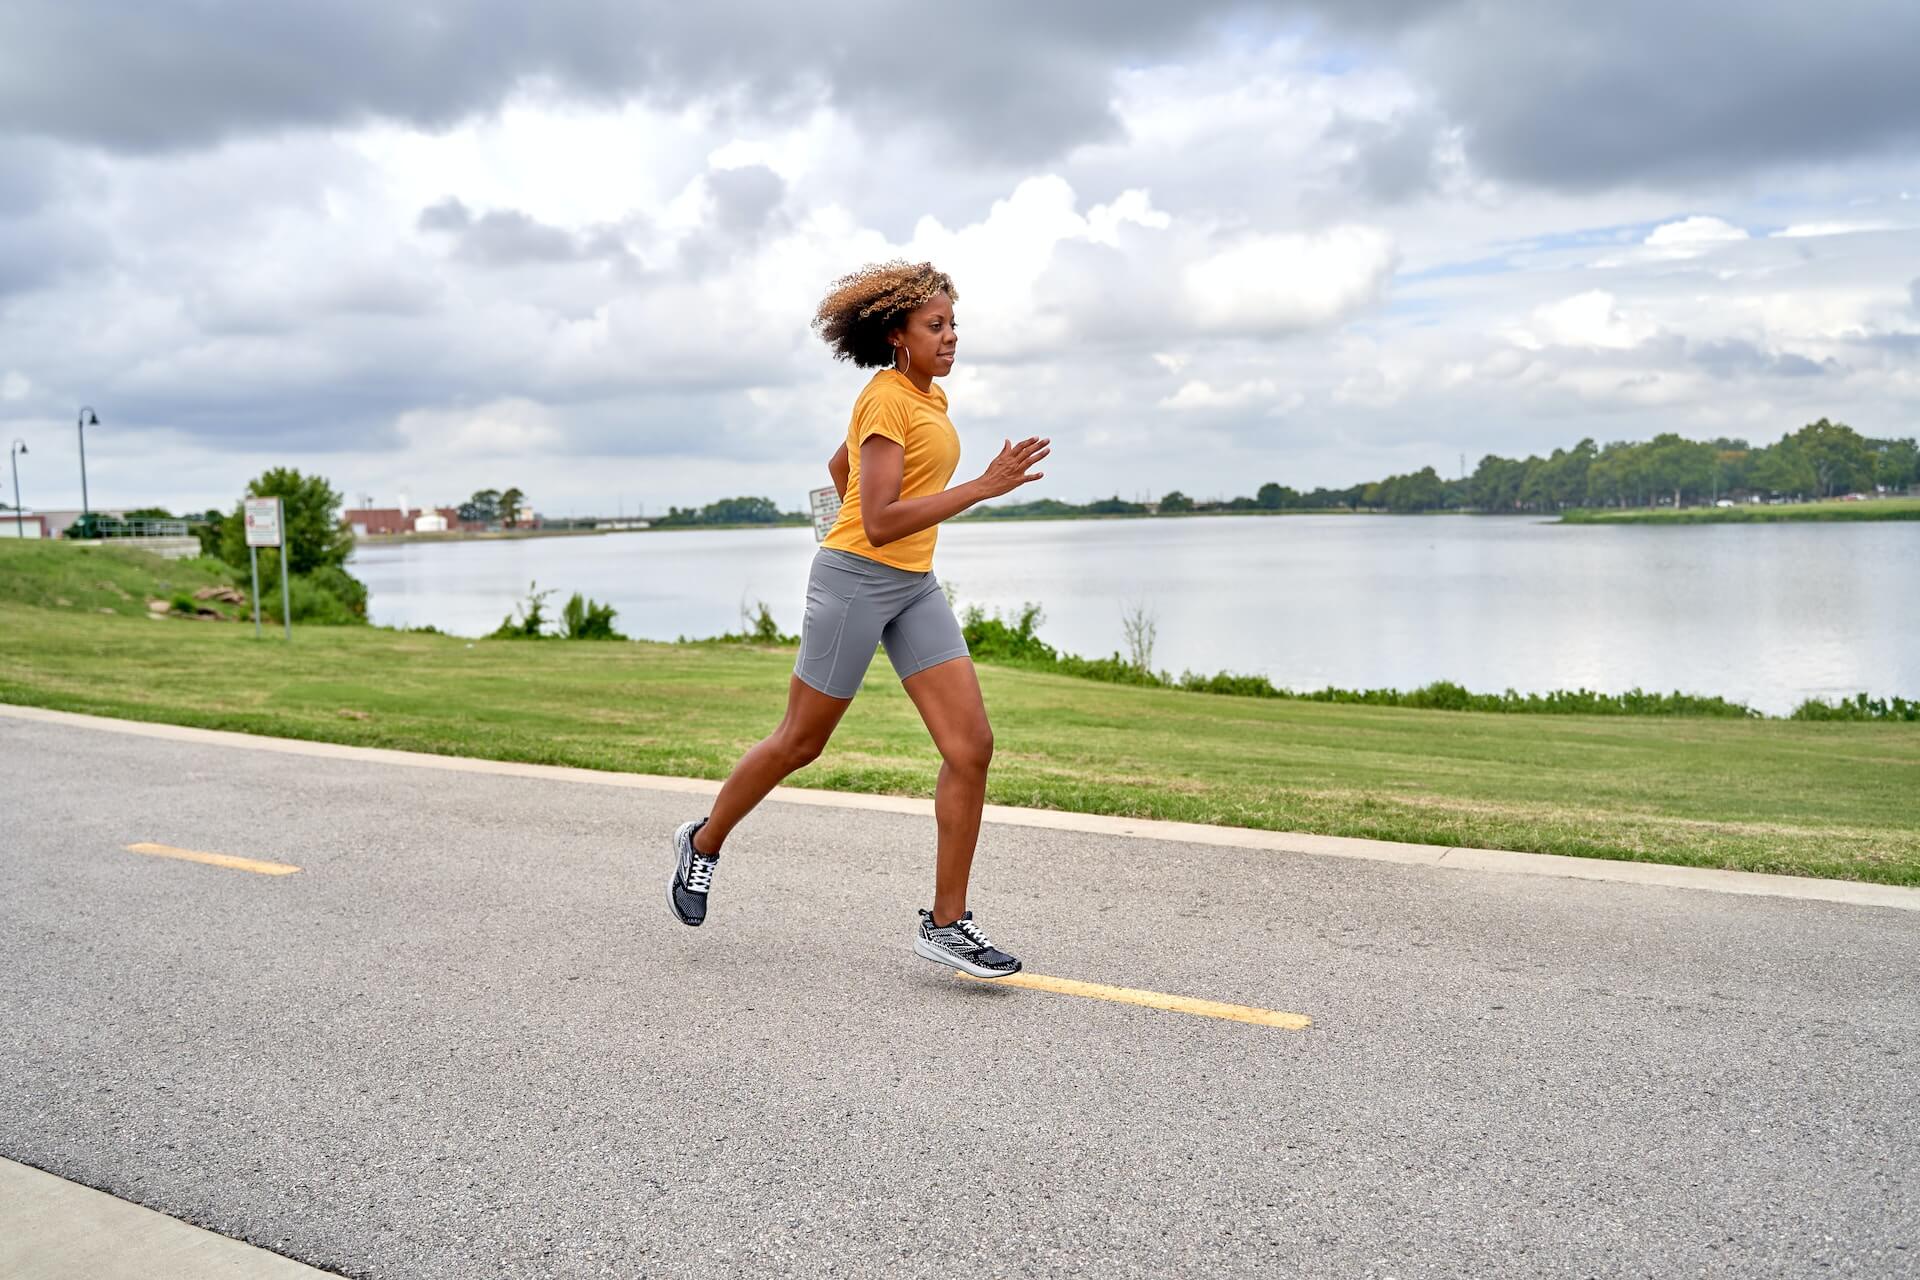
[(880, 415)]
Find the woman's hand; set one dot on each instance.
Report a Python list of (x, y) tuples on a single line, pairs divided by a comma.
[(1008, 471)]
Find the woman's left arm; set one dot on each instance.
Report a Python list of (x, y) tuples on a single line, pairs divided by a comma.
[(838, 468)]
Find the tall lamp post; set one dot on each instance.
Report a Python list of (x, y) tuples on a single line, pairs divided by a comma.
[(88, 418), (13, 457)]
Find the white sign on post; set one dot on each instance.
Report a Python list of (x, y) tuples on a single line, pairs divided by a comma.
[(265, 528), (263, 522), (826, 509)]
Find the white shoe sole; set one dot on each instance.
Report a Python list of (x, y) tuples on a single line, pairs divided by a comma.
[(940, 955)]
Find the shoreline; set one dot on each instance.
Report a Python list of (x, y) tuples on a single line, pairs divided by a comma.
[(1870, 510)]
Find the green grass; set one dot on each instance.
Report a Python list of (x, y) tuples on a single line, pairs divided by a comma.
[(1874, 509), (1814, 799)]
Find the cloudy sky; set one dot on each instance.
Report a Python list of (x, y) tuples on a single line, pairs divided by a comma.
[(451, 244)]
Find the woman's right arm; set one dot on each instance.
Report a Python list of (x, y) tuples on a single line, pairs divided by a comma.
[(887, 517)]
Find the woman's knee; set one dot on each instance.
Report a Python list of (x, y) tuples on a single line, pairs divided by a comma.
[(797, 750), (973, 752)]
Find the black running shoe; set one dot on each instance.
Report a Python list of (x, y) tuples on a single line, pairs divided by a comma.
[(962, 945), (692, 875)]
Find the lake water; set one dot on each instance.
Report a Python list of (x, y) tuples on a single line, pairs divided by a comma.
[(1764, 614)]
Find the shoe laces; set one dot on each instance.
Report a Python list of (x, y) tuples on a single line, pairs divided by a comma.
[(700, 870), (973, 932)]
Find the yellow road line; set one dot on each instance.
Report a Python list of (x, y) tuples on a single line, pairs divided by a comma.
[(1151, 999), (214, 859)]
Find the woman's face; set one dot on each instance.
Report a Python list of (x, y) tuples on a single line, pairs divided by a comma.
[(929, 337)]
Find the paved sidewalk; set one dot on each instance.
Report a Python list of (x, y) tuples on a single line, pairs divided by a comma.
[(52, 1229)]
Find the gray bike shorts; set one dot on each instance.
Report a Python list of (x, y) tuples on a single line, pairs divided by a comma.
[(853, 603)]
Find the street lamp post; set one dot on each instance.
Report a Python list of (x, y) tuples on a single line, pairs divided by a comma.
[(88, 418), (13, 457)]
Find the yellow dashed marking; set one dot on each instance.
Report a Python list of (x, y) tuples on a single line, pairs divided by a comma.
[(215, 859), (1151, 999)]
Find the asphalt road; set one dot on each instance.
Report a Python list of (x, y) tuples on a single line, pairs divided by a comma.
[(467, 1039)]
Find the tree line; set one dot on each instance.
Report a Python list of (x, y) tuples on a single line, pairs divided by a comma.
[(1820, 460)]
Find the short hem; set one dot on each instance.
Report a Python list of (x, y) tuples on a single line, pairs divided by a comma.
[(801, 676), (934, 662)]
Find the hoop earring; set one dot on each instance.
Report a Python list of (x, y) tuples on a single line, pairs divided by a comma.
[(902, 348)]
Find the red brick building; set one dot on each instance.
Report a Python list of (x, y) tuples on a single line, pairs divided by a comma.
[(368, 521)]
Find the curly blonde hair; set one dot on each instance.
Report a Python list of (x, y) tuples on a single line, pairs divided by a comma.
[(865, 306)]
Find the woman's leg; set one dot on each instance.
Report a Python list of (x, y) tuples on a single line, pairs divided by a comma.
[(948, 696), (811, 719)]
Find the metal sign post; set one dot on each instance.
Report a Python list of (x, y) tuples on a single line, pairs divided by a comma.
[(265, 529)]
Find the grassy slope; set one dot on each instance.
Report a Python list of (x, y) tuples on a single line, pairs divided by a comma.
[(116, 580), (1814, 799)]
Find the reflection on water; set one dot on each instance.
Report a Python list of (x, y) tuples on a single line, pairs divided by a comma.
[(1764, 614)]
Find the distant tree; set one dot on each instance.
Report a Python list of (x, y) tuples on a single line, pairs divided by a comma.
[(1896, 463), (1678, 466), (1837, 455), (510, 503), (1271, 496), (1176, 501), (1496, 483), (740, 511), (482, 508), (314, 534), (1783, 467)]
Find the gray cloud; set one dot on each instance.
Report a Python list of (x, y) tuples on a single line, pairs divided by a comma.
[(1735, 357), (744, 197), (1003, 79), (1559, 94), (1392, 159), (510, 238), (40, 251), (1583, 97)]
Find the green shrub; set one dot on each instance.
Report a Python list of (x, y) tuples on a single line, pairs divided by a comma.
[(342, 586), (311, 603), (532, 617), (1858, 707), (992, 640), (756, 628), (584, 620)]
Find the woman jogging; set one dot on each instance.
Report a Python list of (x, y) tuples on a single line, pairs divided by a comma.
[(872, 580)]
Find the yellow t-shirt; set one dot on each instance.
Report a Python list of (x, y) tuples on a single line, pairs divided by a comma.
[(893, 407)]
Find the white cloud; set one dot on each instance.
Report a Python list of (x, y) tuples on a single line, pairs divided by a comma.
[(505, 428), (1695, 230), (1808, 230), (1202, 395), (1268, 284), (1587, 319)]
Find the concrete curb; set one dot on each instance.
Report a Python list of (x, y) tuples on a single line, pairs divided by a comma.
[(52, 1229), (1505, 861)]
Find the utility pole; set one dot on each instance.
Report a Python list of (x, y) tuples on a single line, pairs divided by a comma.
[(13, 457), (88, 418)]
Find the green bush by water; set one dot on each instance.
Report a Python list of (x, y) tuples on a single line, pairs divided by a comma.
[(1858, 707)]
